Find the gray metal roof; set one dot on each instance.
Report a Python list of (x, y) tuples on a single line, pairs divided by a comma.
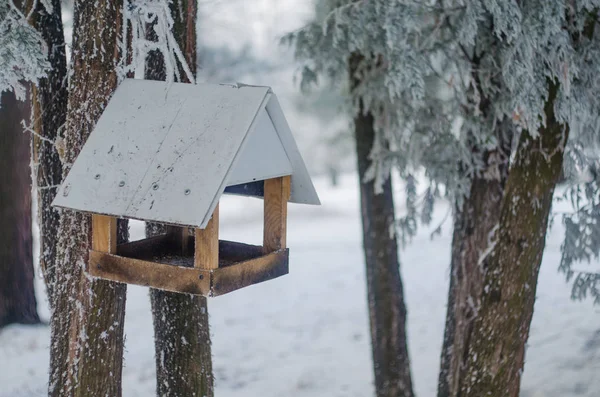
[(166, 152)]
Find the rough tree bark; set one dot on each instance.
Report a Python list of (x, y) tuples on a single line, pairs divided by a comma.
[(86, 351), (474, 225), (49, 114), (17, 295), (495, 356), (181, 328), (387, 311)]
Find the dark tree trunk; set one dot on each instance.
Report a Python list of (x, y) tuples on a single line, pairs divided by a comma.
[(474, 227), (182, 345), (17, 296), (50, 113), (181, 329), (496, 352), (86, 352), (387, 311)]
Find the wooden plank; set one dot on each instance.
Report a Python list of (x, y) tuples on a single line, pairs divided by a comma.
[(104, 233), (146, 248), (277, 194), (188, 280), (149, 274), (250, 272), (206, 250)]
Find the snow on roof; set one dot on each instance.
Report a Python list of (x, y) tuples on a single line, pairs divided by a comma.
[(166, 152)]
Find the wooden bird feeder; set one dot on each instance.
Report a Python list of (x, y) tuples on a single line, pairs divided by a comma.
[(166, 153)]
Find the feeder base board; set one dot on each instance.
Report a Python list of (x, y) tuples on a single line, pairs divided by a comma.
[(241, 265)]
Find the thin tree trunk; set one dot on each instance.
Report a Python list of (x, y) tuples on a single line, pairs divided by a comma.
[(181, 328), (86, 352), (49, 113), (17, 296), (387, 311), (495, 356)]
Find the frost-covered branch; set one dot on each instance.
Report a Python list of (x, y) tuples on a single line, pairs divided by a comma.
[(151, 14), (30, 129), (23, 53), (442, 78)]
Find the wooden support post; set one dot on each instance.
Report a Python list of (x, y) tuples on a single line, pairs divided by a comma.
[(206, 254), (104, 233), (277, 194), (180, 237)]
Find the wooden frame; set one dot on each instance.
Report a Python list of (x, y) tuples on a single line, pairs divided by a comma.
[(149, 273), (206, 251), (276, 196), (213, 267), (189, 280)]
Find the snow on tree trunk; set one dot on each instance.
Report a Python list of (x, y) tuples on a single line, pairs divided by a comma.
[(181, 340), (181, 327), (86, 351), (17, 297), (182, 345), (495, 356), (473, 227), (387, 311), (49, 114)]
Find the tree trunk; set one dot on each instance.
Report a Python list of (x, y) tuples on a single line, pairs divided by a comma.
[(50, 113), (181, 340), (474, 226), (495, 356), (17, 296), (86, 352), (387, 311), (181, 329)]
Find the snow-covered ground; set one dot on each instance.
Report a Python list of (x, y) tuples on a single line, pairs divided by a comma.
[(306, 334)]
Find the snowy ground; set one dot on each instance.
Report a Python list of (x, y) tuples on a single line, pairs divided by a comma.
[(306, 334)]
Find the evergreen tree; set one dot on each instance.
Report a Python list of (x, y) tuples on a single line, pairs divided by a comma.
[(22, 53), (387, 310), (454, 83)]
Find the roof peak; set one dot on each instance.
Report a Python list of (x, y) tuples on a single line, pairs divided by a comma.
[(165, 152)]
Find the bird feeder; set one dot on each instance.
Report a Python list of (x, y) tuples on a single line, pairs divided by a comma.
[(166, 153)]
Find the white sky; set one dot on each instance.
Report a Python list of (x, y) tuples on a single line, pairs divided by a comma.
[(259, 23)]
